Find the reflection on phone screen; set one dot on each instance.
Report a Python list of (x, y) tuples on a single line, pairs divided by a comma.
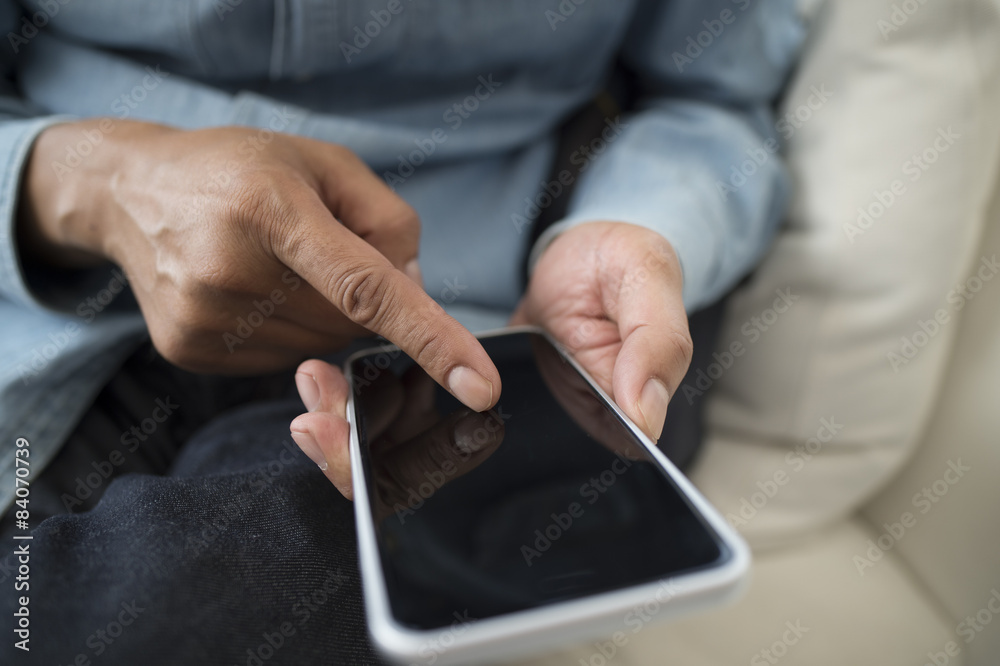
[(547, 497)]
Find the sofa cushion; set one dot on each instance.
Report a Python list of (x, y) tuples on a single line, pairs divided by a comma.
[(795, 609), (845, 330), (951, 487)]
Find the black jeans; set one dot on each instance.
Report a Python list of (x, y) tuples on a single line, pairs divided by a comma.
[(182, 525), (215, 541)]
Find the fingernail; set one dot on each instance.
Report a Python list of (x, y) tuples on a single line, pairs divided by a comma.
[(310, 448), (308, 390), (653, 406), (412, 271), (471, 388)]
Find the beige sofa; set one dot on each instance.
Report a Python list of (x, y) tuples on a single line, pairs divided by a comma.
[(856, 444)]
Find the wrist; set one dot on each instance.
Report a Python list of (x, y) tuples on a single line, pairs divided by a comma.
[(64, 211)]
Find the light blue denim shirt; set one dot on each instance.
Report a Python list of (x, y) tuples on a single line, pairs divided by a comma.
[(455, 103)]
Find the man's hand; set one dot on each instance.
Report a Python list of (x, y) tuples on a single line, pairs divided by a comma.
[(609, 292), (208, 222)]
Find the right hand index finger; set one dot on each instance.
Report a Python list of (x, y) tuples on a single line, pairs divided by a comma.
[(365, 286)]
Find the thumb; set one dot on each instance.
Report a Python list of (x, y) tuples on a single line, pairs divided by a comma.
[(365, 286), (656, 349)]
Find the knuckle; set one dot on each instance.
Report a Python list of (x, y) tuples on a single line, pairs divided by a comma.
[(428, 347), (403, 219), (363, 294), (248, 201), (680, 343), (262, 209), (260, 199)]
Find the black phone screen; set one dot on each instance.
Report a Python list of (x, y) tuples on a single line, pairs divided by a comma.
[(547, 497)]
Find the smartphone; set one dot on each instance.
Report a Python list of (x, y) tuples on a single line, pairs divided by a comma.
[(549, 520)]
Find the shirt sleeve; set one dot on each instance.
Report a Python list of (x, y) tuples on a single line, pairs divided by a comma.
[(20, 125), (697, 158)]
